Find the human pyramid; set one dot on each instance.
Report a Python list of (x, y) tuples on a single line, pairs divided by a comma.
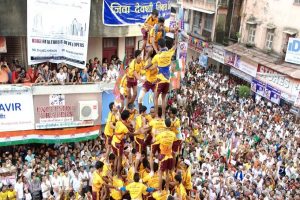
[(154, 139)]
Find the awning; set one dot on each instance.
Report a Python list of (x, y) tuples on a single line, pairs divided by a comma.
[(202, 10), (268, 60), (290, 31)]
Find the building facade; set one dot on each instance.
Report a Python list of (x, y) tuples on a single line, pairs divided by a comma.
[(259, 55), (104, 41)]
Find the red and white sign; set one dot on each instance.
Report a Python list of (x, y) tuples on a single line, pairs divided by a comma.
[(289, 87)]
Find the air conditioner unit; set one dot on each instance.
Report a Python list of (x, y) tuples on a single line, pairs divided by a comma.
[(88, 110)]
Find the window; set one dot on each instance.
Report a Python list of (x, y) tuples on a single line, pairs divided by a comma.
[(197, 23), (269, 39), (130, 41), (110, 42), (210, 1), (209, 22), (297, 2), (251, 34)]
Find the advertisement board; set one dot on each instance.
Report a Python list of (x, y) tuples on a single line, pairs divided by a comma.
[(293, 51), (246, 66), (229, 58), (16, 108), (258, 87), (272, 94), (67, 110), (289, 87), (61, 36), (218, 53), (129, 12)]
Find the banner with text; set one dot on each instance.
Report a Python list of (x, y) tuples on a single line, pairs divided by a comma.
[(59, 37), (16, 108), (130, 12), (258, 87), (272, 94), (67, 110)]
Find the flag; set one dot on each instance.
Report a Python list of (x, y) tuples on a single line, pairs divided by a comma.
[(116, 90), (175, 77)]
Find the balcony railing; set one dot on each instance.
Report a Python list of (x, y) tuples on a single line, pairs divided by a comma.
[(209, 5)]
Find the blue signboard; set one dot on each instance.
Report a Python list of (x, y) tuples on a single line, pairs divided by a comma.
[(129, 12), (108, 97), (258, 87), (272, 94)]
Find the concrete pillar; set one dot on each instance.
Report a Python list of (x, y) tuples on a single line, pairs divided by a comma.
[(121, 47)]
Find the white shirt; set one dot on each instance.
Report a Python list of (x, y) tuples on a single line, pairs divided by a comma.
[(83, 175), (112, 74), (65, 182), (61, 77), (45, 190), (19, 187), (76, 182), (28, 196)]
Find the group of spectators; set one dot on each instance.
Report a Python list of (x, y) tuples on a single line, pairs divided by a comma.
[(235, 148), (49, 73)]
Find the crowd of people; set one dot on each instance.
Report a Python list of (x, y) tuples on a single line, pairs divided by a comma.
[(202, 141), (51, 74)]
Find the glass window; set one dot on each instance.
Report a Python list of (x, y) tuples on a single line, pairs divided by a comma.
[(269, 39), (209, 22), (110, 42), (251, 35), (129, 41)]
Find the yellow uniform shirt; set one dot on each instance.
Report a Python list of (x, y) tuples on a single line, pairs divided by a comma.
[(156, 35), (163, 61), (175, 125), (180, 191), (160, 195), (97, 181), (151, 73), (153, 181), (12, 195), (187, 179), (132, 115), (165, 140), (130, 174), (136, 190), (108, 130), (150, 22), (106, 169), (157, 126), (139, 124), (115, 194), (135, 66), (120, 131), (123, 86)]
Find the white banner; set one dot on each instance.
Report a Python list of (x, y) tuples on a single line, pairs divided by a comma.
[(218, 53), (247, 67), (57, 31), (16, 109)]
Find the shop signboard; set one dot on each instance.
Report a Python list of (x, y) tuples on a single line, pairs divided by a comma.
[(246, 66), (218, 53), (16, 108), (67, 110), (289, 87)]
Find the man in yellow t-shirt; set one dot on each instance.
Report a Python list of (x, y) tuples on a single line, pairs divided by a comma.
[(136, 189), (11, 193), (110, 126), (179, 188), (118, 183), (163, 61), (151, 77), (133, 75), (158, 32), (161, 195), (148, 25), (97, 182), (165, 140), (176, 128), (123, 90)]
